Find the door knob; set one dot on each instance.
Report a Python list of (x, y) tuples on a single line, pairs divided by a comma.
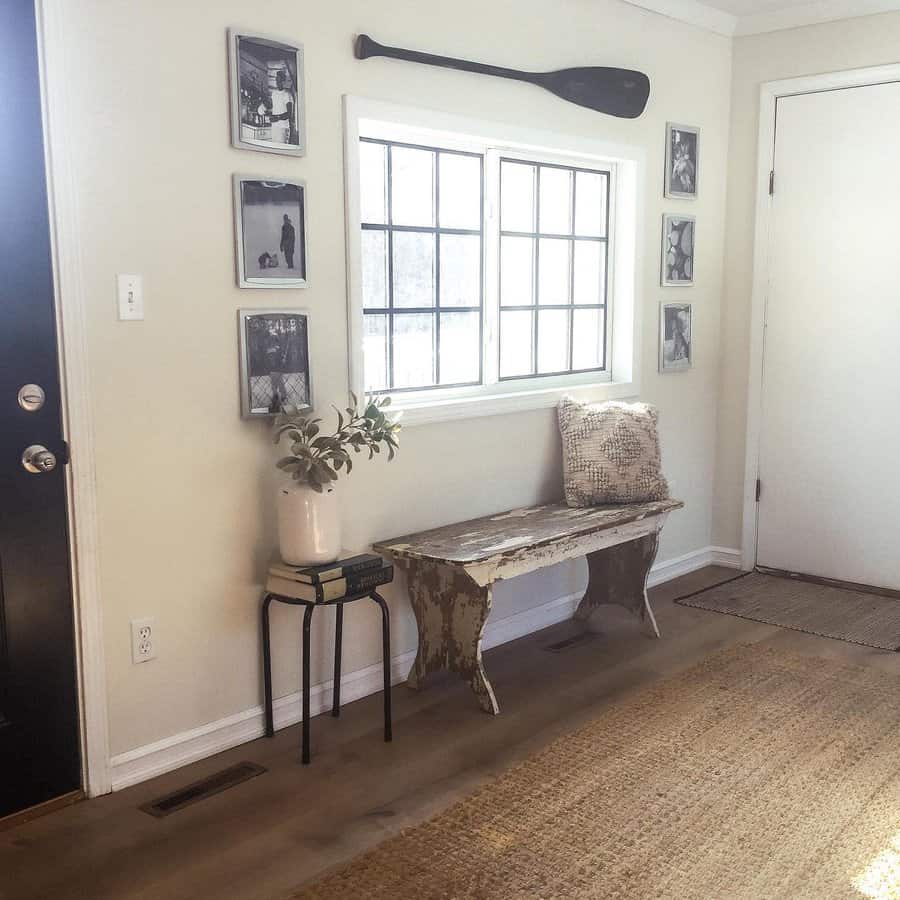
[(37, 459)]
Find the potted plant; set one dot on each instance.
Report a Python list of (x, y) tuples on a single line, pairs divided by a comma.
[(309, 524)]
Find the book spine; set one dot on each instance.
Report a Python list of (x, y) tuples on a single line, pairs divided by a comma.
[(307, 576), (365, 580), (363, 566), (355, 584), (344, 571)]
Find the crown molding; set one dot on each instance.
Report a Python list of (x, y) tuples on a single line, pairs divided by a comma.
[(811, 14), (693, 13), (814, 13)]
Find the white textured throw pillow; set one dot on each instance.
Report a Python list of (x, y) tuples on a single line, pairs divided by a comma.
[(610, 453)]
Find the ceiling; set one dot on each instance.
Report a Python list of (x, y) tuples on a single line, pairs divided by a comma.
[(742, 17)]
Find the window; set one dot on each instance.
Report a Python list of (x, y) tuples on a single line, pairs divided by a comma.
[(490, 267), (554, 224), (422, 266)]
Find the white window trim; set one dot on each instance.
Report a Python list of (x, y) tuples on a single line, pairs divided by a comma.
[(622, 379)]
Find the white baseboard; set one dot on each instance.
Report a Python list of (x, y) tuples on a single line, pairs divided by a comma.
[(725, 556), (690, 562), (189, 746)]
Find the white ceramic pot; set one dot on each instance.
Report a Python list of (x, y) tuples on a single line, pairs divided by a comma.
[(309, 524)]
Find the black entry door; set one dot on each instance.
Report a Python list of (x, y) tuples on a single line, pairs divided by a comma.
[(39, 745)]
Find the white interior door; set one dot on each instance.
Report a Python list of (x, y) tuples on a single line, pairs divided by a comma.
[(830, 437)]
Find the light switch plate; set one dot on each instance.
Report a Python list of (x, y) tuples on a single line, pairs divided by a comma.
[(131, 297)]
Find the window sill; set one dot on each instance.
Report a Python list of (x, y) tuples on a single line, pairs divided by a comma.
[(420, 411)]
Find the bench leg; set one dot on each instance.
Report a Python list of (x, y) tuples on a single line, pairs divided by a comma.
[(647, 613), (619, 575), (451, 611), (417, 673)]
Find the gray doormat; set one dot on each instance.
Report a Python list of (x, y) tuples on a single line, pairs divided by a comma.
[(832, 612)]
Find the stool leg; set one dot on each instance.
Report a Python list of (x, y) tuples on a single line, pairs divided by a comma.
[(338, 640), (267, 666), (307, 620), (386, 662)]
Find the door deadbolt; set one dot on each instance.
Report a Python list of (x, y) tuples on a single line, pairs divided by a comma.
[(31, 397), (37, 459)]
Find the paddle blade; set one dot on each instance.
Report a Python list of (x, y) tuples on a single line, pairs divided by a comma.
[(616, 92)]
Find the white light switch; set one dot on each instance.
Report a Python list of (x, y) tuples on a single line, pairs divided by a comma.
[(131, 297)]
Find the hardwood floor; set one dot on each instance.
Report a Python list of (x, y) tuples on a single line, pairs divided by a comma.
[(268, 835)]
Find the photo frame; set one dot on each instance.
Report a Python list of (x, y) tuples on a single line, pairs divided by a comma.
[(678, 247), (274, 360), (270, 232), (268, 94), (682, 161), (676, 350)]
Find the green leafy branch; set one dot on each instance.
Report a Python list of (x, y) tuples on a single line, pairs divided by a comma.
[(316, 459)]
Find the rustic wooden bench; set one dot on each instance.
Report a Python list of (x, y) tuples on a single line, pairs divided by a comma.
[(451, 570)]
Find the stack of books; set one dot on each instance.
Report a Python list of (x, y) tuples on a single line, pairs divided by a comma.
[(322, 584)]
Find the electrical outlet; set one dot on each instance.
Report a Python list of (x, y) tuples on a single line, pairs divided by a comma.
[(143, 640)]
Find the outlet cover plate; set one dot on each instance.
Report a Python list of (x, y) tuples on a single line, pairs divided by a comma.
[(143, 640)]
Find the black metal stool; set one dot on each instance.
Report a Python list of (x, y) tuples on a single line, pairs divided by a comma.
[(338, 633)]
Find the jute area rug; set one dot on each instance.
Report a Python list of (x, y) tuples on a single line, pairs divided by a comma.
[(825, 610), (753, 775)]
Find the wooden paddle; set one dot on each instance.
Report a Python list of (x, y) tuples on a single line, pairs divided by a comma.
[(616, 92)]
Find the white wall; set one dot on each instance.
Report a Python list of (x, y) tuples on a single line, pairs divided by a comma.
[(849, 44), (185, 486)]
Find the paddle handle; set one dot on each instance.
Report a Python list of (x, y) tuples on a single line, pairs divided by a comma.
[(366, 47)]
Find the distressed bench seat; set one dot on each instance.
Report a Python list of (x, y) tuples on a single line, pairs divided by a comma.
[(451, 571)]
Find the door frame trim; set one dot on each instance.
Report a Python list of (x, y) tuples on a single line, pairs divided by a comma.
[(77, 413), (769, 94)]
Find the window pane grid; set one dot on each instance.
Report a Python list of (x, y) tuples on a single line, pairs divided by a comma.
[(436, 319), (537, 234), (571, 277), (535, 295), (390, 281), (425, 229), (574, 236), (399, 318)]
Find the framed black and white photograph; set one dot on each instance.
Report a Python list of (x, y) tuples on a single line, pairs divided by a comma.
[(274, 346), (682, 161), (270, 232), (678, 241), (267, 95), (675, 321)]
